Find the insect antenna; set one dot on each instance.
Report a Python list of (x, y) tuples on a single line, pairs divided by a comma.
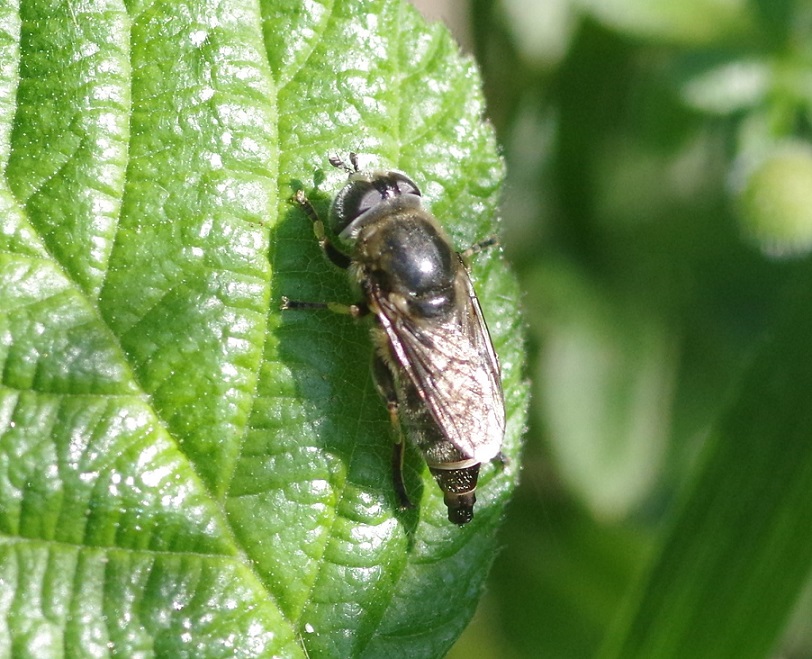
[(338, 161)]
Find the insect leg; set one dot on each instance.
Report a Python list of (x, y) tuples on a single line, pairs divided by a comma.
[(476, 248), (336, 256), (386, 386), (501, 460), (355, 310)]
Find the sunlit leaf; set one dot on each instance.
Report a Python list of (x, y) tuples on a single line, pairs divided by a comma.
[(183, 471)]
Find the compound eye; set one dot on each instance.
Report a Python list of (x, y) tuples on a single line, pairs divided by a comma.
[(405, 185), (355, 198), (366, 200), (365, 191)]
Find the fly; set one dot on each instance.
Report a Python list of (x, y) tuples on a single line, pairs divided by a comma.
[(434, 362)]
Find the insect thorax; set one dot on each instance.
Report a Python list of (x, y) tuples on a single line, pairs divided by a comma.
[(407, 254)]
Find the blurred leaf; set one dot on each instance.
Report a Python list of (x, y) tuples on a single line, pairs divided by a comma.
[(542, 29), (183, 473), (730, 87), (561, 577), (690, 22), (737, 557), (775, 200), (622, 160), (605, 389)]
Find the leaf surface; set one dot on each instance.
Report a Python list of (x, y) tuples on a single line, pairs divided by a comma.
[(183, 470)]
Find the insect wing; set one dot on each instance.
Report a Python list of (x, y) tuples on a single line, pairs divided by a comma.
[(455, 370)]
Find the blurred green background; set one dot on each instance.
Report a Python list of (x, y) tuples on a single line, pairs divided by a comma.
[(658, 207)]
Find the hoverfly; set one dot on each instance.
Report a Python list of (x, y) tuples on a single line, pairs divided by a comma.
[(434, 361)]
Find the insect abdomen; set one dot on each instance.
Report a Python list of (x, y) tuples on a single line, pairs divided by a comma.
[(459, 490), (455, 472)]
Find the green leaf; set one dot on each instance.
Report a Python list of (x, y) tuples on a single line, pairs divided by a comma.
[(737, 557), (183, 471), (691, 22), (604, 386), (774, 200)]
